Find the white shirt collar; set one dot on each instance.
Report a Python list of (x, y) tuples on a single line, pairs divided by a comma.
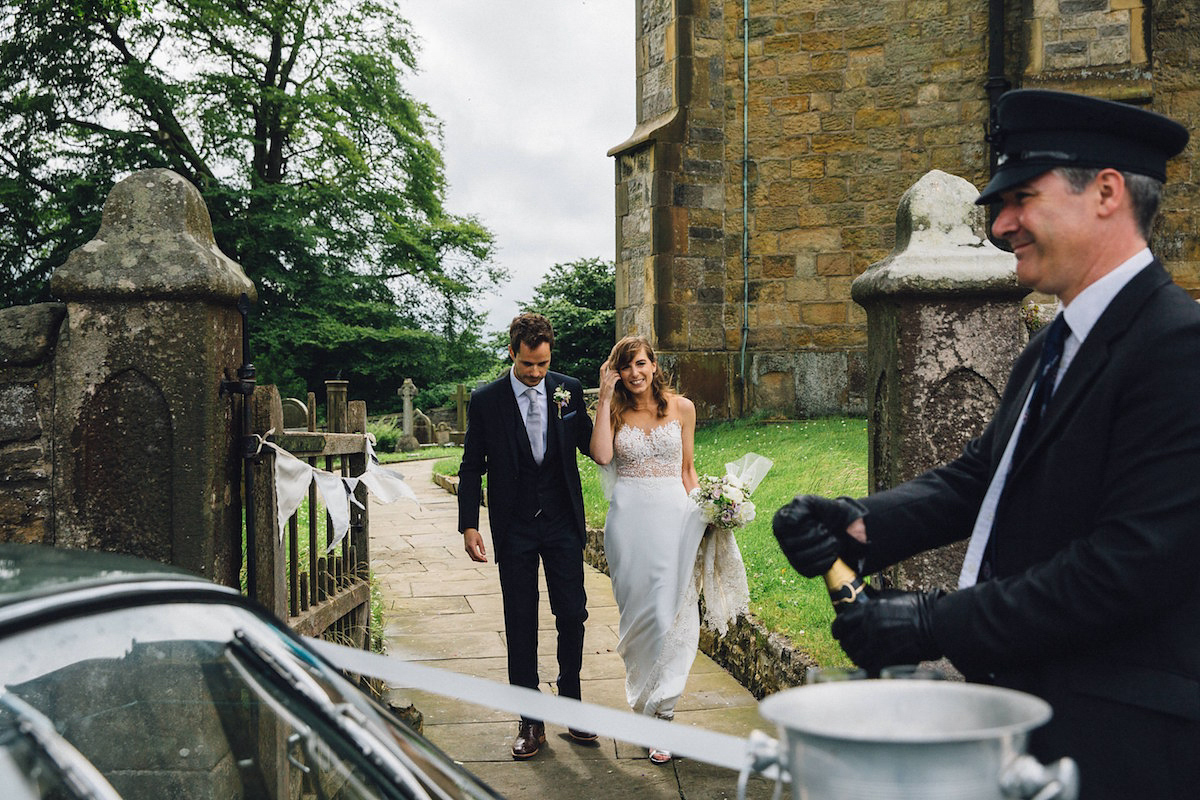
[(519, 388), (1089, 304)]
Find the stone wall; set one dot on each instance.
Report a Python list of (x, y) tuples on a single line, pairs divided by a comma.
[(1175, 76), (1063, 36), (670, 201), (848, 104), (28, 338)]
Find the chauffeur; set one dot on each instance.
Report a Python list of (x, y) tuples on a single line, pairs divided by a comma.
[(1081, 500)]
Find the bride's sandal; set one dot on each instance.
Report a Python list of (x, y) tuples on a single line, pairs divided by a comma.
[(658, 756)]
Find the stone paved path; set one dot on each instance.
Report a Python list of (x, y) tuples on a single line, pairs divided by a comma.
[(444, 610)]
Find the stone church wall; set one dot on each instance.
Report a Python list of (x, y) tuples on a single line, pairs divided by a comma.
[(847, 105)]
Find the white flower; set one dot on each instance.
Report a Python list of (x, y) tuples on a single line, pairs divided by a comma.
[(725, 502), (562, 399)]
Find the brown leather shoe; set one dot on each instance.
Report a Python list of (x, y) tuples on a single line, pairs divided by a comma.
[(530, 738), (583, 737)]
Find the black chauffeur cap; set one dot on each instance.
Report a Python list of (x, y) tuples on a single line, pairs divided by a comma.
[(1038, 130)]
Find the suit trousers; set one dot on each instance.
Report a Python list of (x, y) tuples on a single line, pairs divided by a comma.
[(553, 540)]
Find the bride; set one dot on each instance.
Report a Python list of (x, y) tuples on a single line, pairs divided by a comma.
[(653, 530)]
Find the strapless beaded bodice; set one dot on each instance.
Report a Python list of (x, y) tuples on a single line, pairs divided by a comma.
[(656, 453)]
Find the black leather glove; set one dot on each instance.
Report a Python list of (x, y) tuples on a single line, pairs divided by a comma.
[(811, 531), (891, 627)]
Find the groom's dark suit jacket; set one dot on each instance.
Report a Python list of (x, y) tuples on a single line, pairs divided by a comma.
[(1097, 533), (494, 445)]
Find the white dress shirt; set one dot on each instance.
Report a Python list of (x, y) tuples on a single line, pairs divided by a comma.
[(1081, 315), (519, 390)]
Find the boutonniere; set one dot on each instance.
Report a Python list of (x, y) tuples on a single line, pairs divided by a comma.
[(562, 399)]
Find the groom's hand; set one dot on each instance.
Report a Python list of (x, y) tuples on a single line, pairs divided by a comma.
[(473, 543)]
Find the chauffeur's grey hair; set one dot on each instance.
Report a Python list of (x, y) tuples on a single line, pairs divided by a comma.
[(1145, 193)]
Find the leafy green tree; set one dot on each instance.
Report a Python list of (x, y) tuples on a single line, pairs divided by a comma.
[(321, 173), (579, 298)]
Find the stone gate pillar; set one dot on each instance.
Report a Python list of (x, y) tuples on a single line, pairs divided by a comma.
[(943, 329), (145, 457)]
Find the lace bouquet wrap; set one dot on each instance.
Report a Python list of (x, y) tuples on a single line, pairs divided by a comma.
[(725, 503)]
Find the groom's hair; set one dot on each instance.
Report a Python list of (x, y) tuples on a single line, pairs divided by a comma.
[(532, 329)]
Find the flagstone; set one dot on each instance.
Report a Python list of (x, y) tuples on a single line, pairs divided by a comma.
[(445, 611)]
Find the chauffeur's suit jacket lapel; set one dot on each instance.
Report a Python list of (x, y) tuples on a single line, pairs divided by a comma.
[(1093, 355)]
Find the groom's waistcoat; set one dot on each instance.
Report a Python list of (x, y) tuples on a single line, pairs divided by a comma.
[(540, 487)]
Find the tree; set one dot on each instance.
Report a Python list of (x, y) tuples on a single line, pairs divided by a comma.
[(579, 298), (322, 175)]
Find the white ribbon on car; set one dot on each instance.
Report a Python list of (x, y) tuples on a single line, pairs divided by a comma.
[(756, 754), (293, 476)]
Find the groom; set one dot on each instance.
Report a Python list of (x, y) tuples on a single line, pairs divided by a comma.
[(523, 430)]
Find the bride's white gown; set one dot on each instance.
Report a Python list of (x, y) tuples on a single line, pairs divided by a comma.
[(651, 538)]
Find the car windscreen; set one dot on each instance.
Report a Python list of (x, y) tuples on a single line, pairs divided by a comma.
[(157, 698)]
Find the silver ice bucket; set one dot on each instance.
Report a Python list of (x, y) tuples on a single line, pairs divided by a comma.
[(913, 740)]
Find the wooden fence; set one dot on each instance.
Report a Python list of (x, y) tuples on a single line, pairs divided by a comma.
[(319, 593)]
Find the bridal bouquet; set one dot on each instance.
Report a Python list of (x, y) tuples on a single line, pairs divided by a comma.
[(725, 504), (725, 501)]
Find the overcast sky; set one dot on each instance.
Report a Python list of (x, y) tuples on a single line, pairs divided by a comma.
[(532, 94)]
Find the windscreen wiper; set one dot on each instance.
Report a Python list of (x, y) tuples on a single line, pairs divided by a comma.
[(275, 658)]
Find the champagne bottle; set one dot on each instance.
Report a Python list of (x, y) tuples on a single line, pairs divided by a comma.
[(844, 585)]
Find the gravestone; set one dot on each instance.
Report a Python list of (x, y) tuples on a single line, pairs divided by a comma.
[(407, 392), (422, 427), (442, 433), (461, 398), (295, 414)]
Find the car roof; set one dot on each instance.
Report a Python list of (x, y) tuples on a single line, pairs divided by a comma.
[(33, 570)]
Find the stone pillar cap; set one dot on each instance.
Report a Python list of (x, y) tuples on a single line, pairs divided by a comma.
[(940, 246), (155, 241)]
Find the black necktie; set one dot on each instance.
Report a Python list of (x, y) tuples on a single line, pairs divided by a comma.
[(1043, 387)]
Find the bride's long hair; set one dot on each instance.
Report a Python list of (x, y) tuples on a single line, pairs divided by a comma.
[(622, 355)]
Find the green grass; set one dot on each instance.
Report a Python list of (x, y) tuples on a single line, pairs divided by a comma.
[(386, 433), (422, 454), (822, 456), (378, 643)]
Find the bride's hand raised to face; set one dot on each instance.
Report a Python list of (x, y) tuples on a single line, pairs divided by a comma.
[(609, 378)]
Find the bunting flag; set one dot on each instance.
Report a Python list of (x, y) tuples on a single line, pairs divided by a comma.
[(386, 485), (293, 476)]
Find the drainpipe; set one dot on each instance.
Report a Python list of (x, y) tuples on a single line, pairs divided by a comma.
[(997, 84), (745, 191)]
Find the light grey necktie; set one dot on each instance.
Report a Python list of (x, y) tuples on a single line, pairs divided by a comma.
[(534, 425)]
